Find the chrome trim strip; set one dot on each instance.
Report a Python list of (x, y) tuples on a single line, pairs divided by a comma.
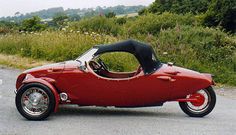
[(15, 91)]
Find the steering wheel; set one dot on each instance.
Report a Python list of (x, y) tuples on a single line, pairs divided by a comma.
[(95, 65), (138, 70), (103, 65)]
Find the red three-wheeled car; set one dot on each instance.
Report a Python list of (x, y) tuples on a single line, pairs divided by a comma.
[(87, 81)]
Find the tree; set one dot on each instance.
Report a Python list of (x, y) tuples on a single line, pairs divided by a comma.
[(74, 17), (110, 15), (6, 27), (121, 20), (179, 6), (33, 24), (60, 18), (17, 14), (222, 13), (143, 11)]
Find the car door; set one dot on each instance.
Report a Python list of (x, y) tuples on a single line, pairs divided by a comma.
[(87, 88)]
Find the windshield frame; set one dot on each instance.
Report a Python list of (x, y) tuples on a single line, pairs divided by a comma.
[(87, 56)]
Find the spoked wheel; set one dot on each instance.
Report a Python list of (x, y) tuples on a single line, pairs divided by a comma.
[(205, 103), (35, 101)]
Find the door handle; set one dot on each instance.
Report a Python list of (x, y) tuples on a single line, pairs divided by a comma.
[(166, 78), (172, 72), (55, 70)]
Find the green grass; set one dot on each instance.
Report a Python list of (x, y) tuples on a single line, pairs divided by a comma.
[(19, 62), (55, 46)]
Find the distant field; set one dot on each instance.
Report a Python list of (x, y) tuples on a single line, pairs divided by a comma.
[(127, 15)]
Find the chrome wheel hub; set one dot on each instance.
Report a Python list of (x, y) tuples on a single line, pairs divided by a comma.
[(203, 106), (35, 101)]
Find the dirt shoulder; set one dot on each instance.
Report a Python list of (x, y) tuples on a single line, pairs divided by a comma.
[(229, 92), (19, 62)]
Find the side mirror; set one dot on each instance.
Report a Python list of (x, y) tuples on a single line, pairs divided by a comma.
[(83, 67), (170, 63)]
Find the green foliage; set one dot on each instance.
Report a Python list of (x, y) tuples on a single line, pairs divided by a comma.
[(143, 11), (59, 19), (74, 17), (4, 30), (153, 24), (179, 6), (56, 46), (7, 27), (215, 12), (7, 24), (121, 20), (98, 24), (120, 61), (110, 15), (179, 38), (222, 13), (32, 24), (201, 49)]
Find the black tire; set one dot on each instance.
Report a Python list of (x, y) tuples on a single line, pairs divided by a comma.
[(210, 106), (48, 111)]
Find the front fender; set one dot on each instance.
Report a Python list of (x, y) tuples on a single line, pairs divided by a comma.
[(209, 78), (47, 82)]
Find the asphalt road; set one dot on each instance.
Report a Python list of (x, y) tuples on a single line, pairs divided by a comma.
[(168, 119)]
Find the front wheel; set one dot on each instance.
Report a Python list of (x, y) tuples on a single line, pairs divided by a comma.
[(35, 101), (206, 100)]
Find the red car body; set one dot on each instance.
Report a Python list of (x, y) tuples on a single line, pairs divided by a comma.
[(86, 88)]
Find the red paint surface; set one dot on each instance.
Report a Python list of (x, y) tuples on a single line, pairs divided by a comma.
[(200, 99)]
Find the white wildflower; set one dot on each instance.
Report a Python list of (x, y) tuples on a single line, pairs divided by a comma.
[(165, 53), (63, 29)]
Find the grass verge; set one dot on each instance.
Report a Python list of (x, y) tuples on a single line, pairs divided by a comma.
[(19, 62)]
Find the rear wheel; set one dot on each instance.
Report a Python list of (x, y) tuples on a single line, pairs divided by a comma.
[(35, 101), (206, 100)]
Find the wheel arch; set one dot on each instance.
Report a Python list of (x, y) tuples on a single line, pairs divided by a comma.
[(48, 84)]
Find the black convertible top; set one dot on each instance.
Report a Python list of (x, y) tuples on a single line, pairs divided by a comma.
[(143, 52)]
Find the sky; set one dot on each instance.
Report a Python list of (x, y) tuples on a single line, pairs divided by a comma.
[(10, 7)]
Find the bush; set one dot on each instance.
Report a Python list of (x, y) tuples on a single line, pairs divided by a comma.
[(201, 49), (153, 24), (5, 30), (59, 19), (7, 27), (179, 6), (32, 24), (222, 13), (98, 24), (120, 61), (121, 20), (110, 15), (55, 46)]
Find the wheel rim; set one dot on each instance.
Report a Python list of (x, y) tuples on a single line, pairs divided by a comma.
[(35, 101), (203, 102)]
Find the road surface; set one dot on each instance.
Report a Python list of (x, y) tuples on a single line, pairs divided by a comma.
[(165, 120)]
